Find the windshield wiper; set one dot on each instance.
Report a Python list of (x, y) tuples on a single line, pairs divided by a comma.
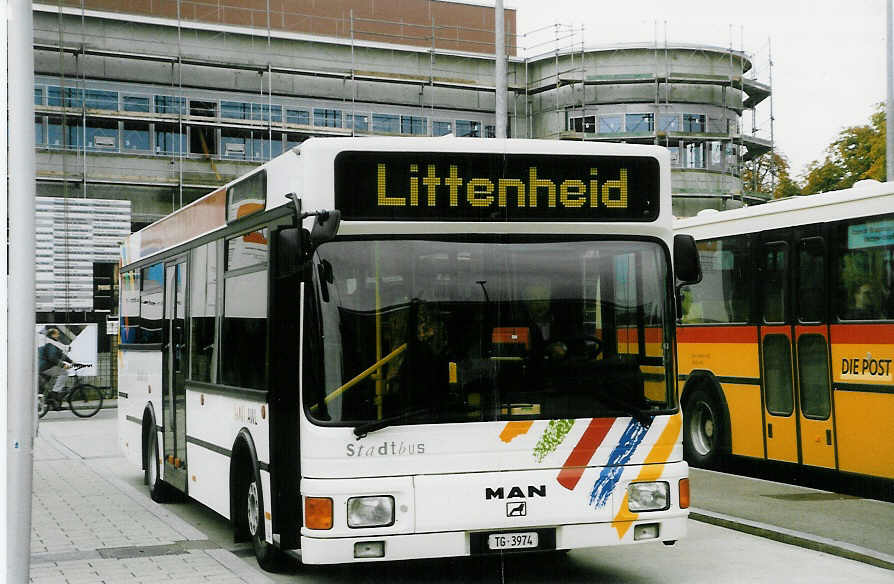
[(364, 429)]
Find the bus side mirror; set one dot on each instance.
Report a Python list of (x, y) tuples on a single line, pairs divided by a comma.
[(290, 246), (325, 227), (687, 266)]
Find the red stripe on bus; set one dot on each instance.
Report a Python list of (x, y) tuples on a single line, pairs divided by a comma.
[(862, 334), (717, 334), (573, 469), (653, 335)]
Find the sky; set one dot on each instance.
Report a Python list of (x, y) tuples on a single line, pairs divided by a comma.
[(828, 56)]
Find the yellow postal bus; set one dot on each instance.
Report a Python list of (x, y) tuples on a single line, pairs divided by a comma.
[(786, 345)]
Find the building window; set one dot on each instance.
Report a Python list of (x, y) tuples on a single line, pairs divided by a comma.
[(73, 97), (38, 131), (490, 131), (202, 140), (583, 124), (296, 116), (675, 155), (234, 143), (136, 136), (694, 155), (169, 139), (38, 96), (101, 134), (466, 128), (204, 109), (694, 123), (357, 122), (235, 110), (413, 125), (266, 113), (327, 118), (639, 123), (101, 99), (386, 124), (135, 103), (441, 128), (54, 132), (293, 140), (260, 146), (276, 145), (668, 122), (169, 104), (610, 124)]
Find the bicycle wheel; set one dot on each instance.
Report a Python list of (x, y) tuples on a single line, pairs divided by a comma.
[(85, 400), (43, 405)]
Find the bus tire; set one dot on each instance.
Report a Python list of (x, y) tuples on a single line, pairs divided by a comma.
[(704, 429), (159, 491), (252, 518)]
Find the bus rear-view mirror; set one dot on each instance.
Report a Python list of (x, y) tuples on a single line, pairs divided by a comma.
[(325, 227), (687, 266)]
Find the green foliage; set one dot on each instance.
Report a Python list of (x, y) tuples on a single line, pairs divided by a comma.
[(769, 174), (858, 153)]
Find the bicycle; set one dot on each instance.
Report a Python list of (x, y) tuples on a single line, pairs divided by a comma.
[(84, 400)]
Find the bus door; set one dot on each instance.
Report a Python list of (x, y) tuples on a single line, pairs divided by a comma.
[(174, 359), (812, 364), (777, 372), (798, 424)]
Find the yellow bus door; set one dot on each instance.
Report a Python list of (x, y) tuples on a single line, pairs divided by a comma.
[(777, 373), (812, 366), (780, 422)]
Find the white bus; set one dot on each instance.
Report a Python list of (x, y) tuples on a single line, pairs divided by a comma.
[(468, 351)]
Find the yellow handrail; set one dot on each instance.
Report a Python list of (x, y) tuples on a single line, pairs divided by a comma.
[(366, 373)]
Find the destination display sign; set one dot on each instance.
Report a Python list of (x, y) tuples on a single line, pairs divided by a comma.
[(448, 186)]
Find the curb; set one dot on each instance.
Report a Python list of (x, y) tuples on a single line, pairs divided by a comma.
[(796, 538)]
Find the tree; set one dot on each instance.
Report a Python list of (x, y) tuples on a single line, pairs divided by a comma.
[(769, 174), (858, 153)]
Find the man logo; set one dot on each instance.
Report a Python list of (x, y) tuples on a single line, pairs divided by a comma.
[(516, 509)]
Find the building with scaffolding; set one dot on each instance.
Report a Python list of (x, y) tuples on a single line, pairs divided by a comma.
[(157, 102), (685, 97)]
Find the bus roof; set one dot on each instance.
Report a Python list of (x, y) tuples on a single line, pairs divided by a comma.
[(310, 170), (865, 198)]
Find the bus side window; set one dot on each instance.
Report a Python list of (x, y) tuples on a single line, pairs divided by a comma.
[(865, 273), (203, 313)]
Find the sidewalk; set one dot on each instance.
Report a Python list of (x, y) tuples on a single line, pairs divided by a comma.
[(842, 525), (88, 526)]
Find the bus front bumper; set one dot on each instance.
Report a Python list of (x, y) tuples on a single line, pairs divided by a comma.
[(319, 550)]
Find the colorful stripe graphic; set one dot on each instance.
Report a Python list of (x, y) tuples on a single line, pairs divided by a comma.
[(574, 467), (651, 470), (631, 438), (515, 429), (552, 437)]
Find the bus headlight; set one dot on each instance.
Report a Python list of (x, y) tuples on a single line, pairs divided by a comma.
[(648, 497), (371, 511)]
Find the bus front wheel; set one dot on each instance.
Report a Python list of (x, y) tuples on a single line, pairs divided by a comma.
[(703, 429), (252, 517)]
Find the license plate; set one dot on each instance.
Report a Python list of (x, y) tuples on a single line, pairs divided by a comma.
[(512, 541)]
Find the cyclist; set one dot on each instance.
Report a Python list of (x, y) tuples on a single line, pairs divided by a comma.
[(52, 360)]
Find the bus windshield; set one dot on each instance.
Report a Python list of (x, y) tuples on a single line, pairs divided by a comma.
[(514, 328)]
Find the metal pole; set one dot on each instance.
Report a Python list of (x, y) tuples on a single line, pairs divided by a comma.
[(500, 56), (889, 125), (20, 350), (4, 403)]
